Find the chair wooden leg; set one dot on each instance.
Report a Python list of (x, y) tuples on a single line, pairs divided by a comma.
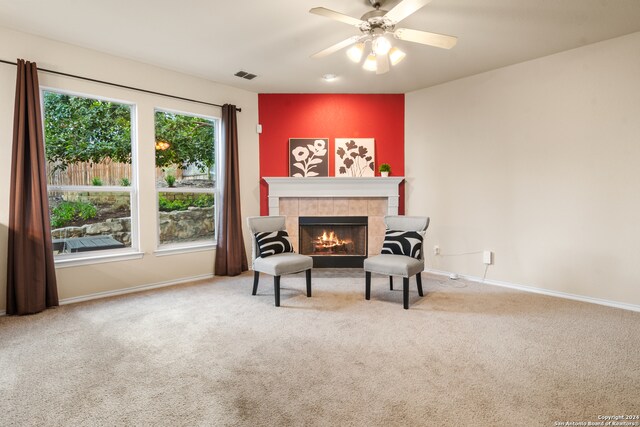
[(276, 289), (419, 280), (405, 292), (367, 285), (256, 277), (308, 274), (390, 283)]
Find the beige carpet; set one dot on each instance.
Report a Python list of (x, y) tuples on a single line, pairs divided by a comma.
[(209, 353)]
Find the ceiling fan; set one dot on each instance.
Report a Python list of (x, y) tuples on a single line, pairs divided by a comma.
[(374, 26)]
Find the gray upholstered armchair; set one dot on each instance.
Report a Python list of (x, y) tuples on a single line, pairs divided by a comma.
[(392, 264), (264, 230)]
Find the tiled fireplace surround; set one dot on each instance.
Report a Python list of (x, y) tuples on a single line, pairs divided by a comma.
[(371, 197)]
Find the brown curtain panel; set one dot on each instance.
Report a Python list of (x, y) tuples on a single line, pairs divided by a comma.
[(231, 258), (31, 275)]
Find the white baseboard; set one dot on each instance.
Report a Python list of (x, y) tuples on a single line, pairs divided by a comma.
[(524, 288), (133, 289), (542, 291)]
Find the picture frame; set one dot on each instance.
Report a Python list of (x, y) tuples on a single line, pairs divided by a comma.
[(308, 157), (355, 157)]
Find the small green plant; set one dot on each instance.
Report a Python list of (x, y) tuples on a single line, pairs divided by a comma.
[(167, 205), (202, 201), (67, 212), (96, 181), (385, 167), (125, 182), (170, 179)]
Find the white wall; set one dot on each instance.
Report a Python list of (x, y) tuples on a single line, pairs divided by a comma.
[(539, 162), (84, 280)]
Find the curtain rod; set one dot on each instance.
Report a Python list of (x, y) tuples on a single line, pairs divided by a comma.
[(121, 86)]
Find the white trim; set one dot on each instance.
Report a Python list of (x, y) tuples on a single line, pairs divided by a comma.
[(195, 190), (134, 200), (214, 189), (185, 249), (96, 259), (188, 113), (535, 290), (132, 190), (91, 188), (524, 288), (82, 95), (334, 187), (133, 289)]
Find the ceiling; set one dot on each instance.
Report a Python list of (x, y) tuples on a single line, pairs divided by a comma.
[(274, 39)]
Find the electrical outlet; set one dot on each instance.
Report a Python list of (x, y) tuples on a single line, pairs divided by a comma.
[(436, 250), (487, 257)]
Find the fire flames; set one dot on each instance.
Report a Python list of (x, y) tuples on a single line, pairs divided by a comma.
[(329, 240)]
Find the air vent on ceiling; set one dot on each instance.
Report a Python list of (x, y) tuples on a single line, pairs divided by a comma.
[(245, 75)]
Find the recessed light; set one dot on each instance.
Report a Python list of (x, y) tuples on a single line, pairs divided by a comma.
[(329, 77)]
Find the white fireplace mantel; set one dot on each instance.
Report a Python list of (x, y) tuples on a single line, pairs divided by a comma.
[(334, 187)]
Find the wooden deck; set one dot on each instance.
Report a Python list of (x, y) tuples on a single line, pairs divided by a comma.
[(85, 244)]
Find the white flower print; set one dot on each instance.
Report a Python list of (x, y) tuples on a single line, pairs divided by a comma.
[(309, 157)]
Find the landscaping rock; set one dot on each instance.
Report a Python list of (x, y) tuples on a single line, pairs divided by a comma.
[(175, 226)]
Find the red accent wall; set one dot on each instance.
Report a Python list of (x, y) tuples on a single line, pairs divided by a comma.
[(332, 116)]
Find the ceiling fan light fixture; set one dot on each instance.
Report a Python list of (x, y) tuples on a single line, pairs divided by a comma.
[(355, 52), (377, 27), (381, 45), (396, 55), (370, 63)]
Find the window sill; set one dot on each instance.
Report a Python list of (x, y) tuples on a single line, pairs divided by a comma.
[(184, 249), (96, 259)]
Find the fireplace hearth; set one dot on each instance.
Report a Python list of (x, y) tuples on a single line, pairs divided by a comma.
[(334, 241)]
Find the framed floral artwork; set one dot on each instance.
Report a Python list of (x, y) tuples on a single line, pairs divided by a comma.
[(308, 157), (355, 157)]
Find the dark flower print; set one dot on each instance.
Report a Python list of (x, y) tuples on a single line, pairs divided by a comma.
[(355, 157)]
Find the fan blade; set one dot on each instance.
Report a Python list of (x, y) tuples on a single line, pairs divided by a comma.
[(336, 47), (328, 13), (382, 64), (404, 9), (424, 37)]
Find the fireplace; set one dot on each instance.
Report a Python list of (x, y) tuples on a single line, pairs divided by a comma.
[(334, 241)]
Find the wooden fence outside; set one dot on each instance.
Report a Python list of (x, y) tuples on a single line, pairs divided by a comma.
[(109, 173)]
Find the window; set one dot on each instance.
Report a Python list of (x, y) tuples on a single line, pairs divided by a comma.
[(91, 184), (186, 172)]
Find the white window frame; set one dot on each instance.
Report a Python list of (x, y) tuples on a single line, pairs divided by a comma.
[(201, 245), (107, 255)]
